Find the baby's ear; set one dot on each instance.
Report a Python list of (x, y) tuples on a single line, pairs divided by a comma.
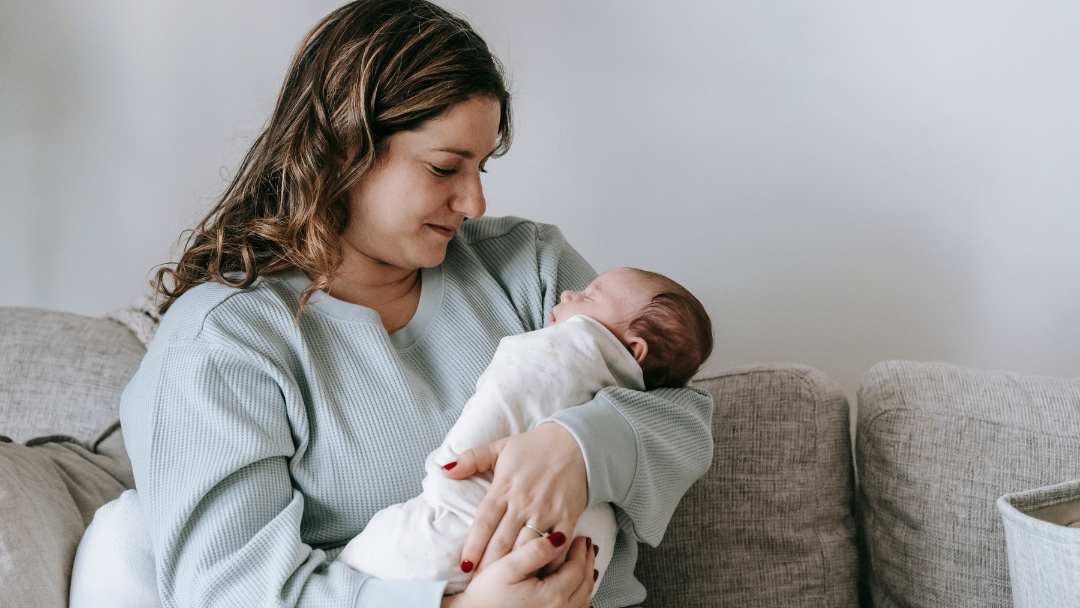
[(638, 347)]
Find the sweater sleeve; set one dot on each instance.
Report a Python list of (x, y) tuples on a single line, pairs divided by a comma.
[(643, 450), (213, 433)]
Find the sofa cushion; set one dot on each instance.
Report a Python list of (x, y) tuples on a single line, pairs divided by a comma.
[(936, 445), (771, 523), (49, 489), (62, 374)]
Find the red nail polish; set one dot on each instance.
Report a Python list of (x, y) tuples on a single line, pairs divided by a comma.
[(449, 466), (595, 550), (595, 575), (466, 565), (588, 543), (556, 539)]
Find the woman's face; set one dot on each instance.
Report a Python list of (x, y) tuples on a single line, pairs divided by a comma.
[(405, 210)]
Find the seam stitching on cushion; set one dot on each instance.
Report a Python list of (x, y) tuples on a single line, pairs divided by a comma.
[(799, 371), (105, 435), (808, 384), (53, 439)]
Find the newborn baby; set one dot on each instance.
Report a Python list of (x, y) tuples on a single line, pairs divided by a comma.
[(629, 328)]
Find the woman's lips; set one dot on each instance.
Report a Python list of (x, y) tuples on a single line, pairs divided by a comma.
[(444, 231)]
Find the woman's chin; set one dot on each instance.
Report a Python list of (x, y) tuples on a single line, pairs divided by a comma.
[(432, 258)]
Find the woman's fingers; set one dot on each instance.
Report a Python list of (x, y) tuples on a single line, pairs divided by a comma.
[(582, 596), (502, 539), (521, 564), (478, 459), (488, 516), (525, 536), (574, 579), (560, 559), (549, 493)]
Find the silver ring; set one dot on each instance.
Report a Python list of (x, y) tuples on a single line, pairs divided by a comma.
[(542, 534)]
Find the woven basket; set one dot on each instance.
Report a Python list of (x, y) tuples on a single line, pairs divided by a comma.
[(1044, 550)]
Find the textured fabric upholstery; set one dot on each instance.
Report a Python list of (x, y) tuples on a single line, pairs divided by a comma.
[(936, 445), (62, 374), (771, 523), (1044, 554), (49, 490)]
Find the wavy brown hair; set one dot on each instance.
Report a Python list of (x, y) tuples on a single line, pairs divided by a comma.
[(368, 70)]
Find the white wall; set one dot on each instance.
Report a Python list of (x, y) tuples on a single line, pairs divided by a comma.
[(840, 182)]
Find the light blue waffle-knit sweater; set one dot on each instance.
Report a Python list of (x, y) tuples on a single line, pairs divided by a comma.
[(260, 447)]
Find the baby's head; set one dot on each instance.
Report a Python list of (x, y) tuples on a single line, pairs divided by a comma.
[(661, 323)]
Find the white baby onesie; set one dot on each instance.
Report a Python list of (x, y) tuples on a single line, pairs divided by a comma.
[(531, 376)]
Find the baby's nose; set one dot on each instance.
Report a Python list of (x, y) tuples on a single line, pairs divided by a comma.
[(566, 295)]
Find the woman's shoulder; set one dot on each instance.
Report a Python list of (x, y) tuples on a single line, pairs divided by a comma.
[(511, 243), (507, 228), (212, 310), (530, 262)]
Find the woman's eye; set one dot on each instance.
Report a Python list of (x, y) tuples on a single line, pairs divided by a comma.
[(442, 172)]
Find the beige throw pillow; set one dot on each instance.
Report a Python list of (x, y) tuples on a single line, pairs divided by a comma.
[(49, 490)]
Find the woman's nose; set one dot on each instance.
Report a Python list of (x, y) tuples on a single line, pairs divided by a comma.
[(470, 200)]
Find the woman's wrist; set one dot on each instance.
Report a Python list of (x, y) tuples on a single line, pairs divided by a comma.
[(564, 444)]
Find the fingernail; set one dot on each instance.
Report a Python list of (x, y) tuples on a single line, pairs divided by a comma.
[(595, 550), (556, 539), (466, 565), (447, 467), (588, 543), (595, 575)]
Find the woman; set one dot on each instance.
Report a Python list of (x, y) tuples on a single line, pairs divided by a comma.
[(329, 319)]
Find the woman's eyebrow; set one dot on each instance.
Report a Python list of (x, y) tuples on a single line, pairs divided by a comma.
[(468, 154)]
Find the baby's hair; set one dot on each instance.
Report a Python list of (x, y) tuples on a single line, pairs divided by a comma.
[(677, 329)]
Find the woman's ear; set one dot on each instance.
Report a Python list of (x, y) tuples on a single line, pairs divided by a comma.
[(638, 347)]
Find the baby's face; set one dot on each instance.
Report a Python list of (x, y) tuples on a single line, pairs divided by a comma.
[(612, 299)]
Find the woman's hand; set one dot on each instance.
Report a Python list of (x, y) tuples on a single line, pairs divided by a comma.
[(512, 581), (539, 480)]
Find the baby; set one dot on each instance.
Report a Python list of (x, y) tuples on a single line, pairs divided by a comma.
[(629, 328)]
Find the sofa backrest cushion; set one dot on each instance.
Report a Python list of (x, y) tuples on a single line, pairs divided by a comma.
[(771, 524), (61, 373), (936, 445)]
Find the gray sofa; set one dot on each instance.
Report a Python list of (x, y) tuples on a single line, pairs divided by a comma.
[(777, 521)]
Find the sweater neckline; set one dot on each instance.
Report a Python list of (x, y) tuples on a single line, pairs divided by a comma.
[(431, 298)]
